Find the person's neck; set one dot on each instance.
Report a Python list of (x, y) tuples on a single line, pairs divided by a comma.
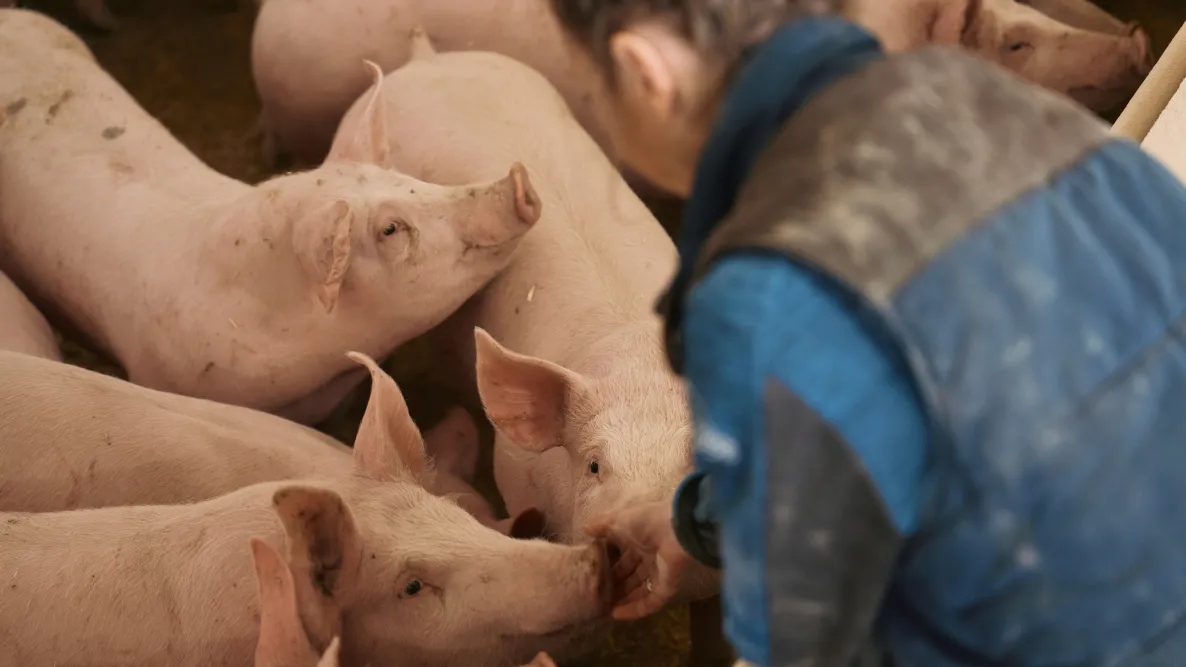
[(779, 77)]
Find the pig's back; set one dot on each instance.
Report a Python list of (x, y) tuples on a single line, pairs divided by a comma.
[(67, 119), (72, 439), (152, 585)]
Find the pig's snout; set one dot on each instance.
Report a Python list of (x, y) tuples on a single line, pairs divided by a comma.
[(499, 214), (1142, 57)]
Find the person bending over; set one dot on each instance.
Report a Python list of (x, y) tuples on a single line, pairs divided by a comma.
[(932, 322)]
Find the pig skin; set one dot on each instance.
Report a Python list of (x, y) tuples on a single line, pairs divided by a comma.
[(578, 297), (304, 54), (1068, 46), (304, 57), (84, 585), (75, 439), (22, 327), (199, 284)]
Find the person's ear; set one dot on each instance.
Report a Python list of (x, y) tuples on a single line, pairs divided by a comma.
[(643, 73)]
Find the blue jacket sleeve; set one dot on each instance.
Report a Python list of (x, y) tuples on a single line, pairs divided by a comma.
[(757, 317)]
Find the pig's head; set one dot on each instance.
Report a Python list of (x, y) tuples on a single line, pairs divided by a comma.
[(372, 242), (1097, 69), (282, 638), (619, 438), (415, 575)]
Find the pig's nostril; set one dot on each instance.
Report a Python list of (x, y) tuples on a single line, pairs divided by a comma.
[(613, 553)]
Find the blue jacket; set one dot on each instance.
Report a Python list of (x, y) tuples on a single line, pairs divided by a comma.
[(1012, 401)]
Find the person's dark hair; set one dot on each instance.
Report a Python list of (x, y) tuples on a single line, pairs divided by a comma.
[(721, 29)]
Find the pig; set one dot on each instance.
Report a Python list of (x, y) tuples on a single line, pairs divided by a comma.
[(75, 439), (22, 327), (1096, 67), (404, 578), (578, 377), (201, 285), (454, 448), (282, 638), (563, 348), (304, 52), (304, 56)]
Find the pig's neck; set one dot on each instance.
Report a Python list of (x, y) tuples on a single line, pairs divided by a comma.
[(155, 251)]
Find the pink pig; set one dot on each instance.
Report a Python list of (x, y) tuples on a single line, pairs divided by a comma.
[(304, 56), (205, 286), (76, 439), (1068, 46), (405, 579), (304, 52), (582, 379), (22, 327), (569, 360)]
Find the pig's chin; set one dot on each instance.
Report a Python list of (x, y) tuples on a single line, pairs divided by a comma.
[(563, 643), (1097, 98)]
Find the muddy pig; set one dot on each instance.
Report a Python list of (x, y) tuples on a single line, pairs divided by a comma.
[(73, 439), (1078, 50), (22, 327), (283, 641), (199, 284), (414, 579)]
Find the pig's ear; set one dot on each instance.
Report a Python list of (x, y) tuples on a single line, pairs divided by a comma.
[(952, 20), (282, 639), (321, 241), (453, 443), (323, 553), (421, 45), (330, 657), (526, 398), (388, 443), (363, 138)]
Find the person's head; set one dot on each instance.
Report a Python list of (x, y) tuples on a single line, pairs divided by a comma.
[(667, 63)]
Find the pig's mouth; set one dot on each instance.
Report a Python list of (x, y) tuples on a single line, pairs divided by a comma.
[(484, 248)]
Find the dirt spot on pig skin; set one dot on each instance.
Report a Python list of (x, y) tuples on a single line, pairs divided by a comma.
[(14, 108), (209, 367), (75, 493), (56, 107), (113, 132)]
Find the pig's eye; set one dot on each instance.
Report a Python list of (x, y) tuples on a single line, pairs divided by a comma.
[(594, 468), (390, 229), (413, 588), (1018, 46)]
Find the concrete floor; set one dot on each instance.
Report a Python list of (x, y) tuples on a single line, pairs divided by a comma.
[(186, 61)]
